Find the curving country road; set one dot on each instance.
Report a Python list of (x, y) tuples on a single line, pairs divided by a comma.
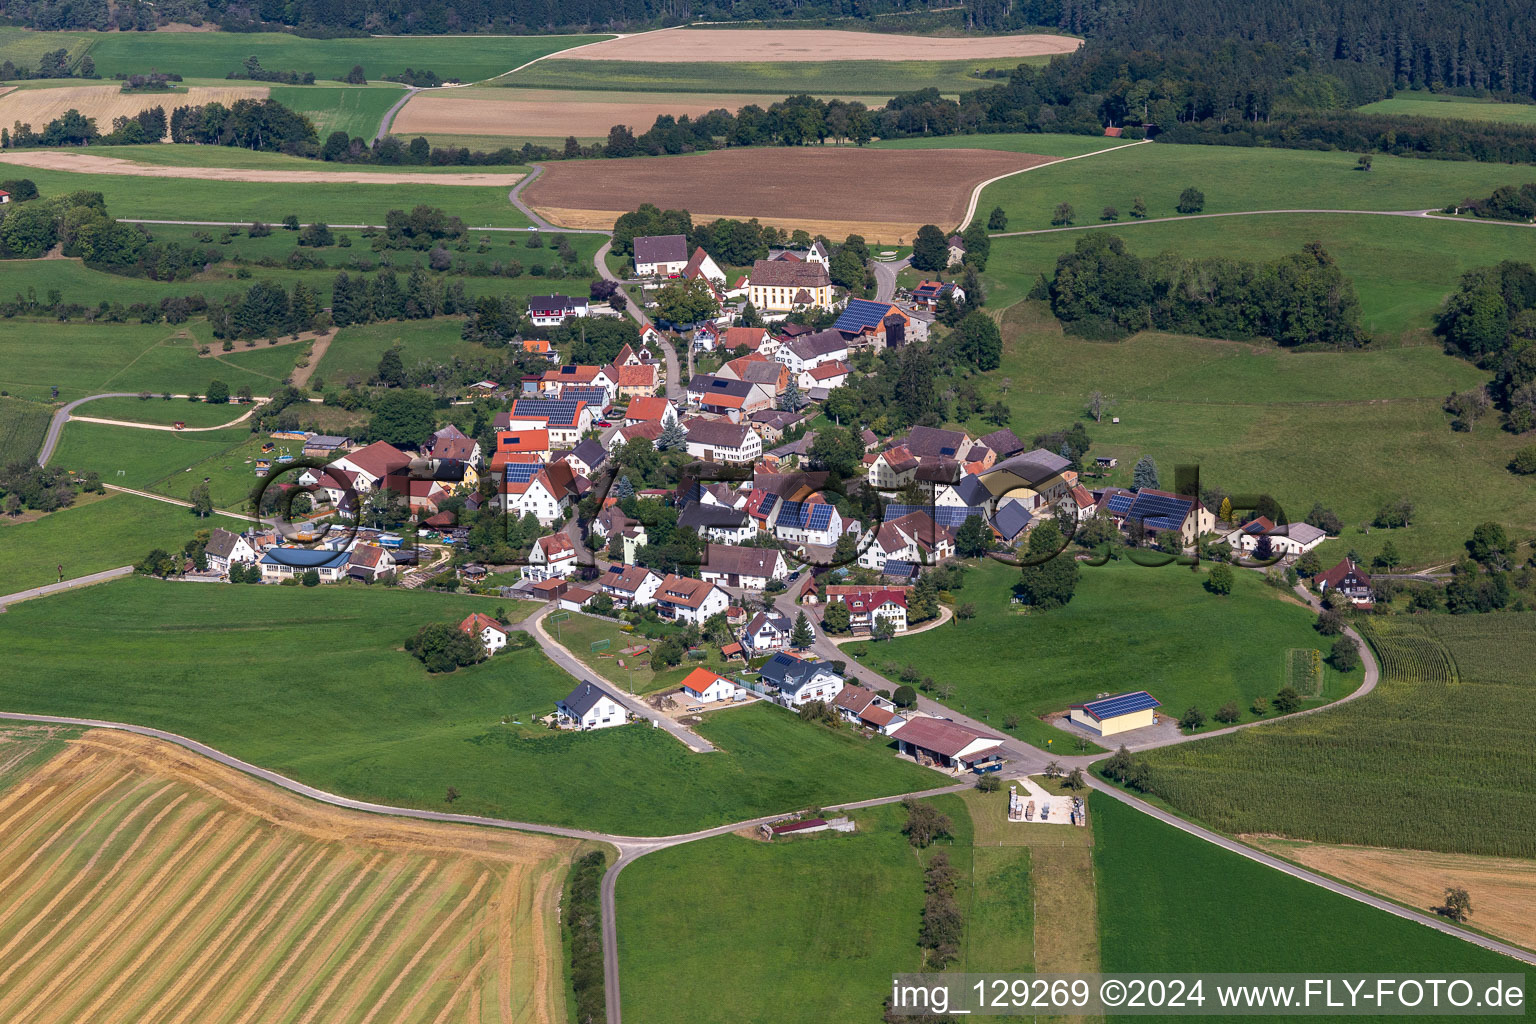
[(389, 115), (62, 416)]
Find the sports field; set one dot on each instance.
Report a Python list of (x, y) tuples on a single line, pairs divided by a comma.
[(1171, 902), (374, 724), (885, 195), (1462, 108), (1437, 757), (145, 883), (1254, 419), (216, 54), (1152, 629)]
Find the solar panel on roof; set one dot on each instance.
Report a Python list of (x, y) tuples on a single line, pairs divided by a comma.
[(522, 472), (591, 394), (1124, 704), (556, 410), (942, 515), (804, 516), (861, 313), (1119, 504)]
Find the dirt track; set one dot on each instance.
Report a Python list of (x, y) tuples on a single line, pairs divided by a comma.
[(84, 163), (141, 882), (706, 45), (883, 194)]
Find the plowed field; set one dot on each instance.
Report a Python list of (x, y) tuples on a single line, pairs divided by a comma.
[(141, 883), (884, 194)]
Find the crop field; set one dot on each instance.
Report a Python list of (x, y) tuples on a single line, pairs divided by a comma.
[(1438, 757), (375, 725), (22, 425), (824, 922), (83, 163), (97, 533), (356, 110), (554, 114), (1222, 404), (1503, 889), (885, 195), (1171, 638), (1462, 108), (104, 102), (1171, 902), (324, 197), (1402, 267), (145, 883), (216, 54), (766, 80), (1235, 179), (706, 45)]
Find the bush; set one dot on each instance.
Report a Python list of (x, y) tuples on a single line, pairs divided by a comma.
[(1524, 461), (1219, 579), (442, 648)]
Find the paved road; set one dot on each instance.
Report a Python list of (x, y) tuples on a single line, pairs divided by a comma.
[(350, 227), (675, 391), (539, 223), (389, 115), (61, 417), (57, 588), (885, 277), (970, 209)]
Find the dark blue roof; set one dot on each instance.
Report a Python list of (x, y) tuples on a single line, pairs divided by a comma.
[(804, 515), (585, 697), (306, 558), (1012, 519), (1124, 704), (860, 314), (786, 672), (953, 516)]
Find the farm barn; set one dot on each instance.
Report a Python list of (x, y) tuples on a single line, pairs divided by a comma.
[(1118, 714)]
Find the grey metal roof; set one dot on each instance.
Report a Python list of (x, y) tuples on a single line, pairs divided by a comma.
[(700, 515), (585, 697), (1012, 518), (661, 249)]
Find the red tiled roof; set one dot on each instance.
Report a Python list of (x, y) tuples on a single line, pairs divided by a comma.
[(700, 679), (478, 621)]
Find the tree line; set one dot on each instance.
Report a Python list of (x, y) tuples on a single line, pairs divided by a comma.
[(1101, 290), (249, 124), (1491, 320)]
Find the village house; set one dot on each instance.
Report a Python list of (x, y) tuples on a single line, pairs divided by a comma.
[(758, 369), (866, 708), (586, 458), (812, 350), (799, 682), (1346, 579), (682, 599), (1158, 511), (553, 310), (281, 563), (779, 286), (806, 522), (866, 605), (546, 494), (651, 409), (722, 441), (225, 549), (956, 251), (590, 706), (727, 396), (630, 586), (892, 469), (565, 419), (551, 557), (637, 381), (767, 631), (771, 424), (451, 445), (491, 633), (911, 539), (928, 293), (660, 255), (371, 464), (941, 743), (717, 523), (743, 568), (1290, 539), (865, 322), (755, 340), (827, 375), (370, 563), (706, 687)]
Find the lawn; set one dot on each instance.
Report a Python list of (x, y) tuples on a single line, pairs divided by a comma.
[(1171, 902), (86, 359), (1437, 757), (141, 456), (1234, 179), (215, 54), (22, 426), (132, 196), (1030, 142), (230, 472), (100, 533), (373, 724), (816, 925), (354, 352), (1128, 628), (775, 79), (1255, 419), (1402, 268), (158, 410), (1427, 104)]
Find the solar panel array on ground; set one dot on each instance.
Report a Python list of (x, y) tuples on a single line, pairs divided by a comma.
[(1124, 704), (953, 516), (861, 314)]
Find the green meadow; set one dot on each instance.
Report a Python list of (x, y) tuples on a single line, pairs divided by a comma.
[(1129, 627), (98, 533), (775, 79), (143, 457), (22, 425), (162, 155), (216, 54), (375, 725), (1169, 902), (1461, 108), (159, 410), (354, 352), (1352, 430), (1237, 179)]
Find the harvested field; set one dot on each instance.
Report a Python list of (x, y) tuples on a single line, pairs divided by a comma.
[(82, 163), (1503, 889), (695, 45), (554, 114), (143, 883), (104, 102), (885, 195)]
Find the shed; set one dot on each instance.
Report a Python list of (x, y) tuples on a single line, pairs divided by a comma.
[(1110, 715)]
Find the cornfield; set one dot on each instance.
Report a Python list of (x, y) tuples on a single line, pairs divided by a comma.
[(1304, 671), (1438, 757)]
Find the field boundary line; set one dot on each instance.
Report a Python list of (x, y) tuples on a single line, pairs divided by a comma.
[(1418, 214), (569, 49), (970, 209)]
